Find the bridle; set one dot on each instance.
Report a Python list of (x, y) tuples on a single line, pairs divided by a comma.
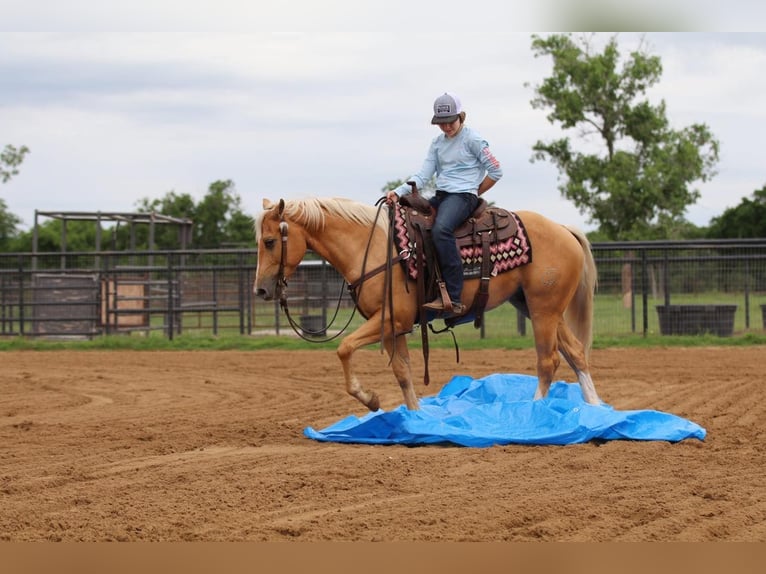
[(281, 293), (281, 285), (354, 288)]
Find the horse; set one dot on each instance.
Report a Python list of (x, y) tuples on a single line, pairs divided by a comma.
[(554, 290)]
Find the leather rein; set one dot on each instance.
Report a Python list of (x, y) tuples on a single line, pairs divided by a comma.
[(353, 288)]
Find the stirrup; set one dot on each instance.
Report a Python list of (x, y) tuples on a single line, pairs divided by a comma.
[(457, 310), (435, 305)]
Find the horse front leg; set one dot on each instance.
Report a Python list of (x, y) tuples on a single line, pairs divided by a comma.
[(366, 334), (400, 364)]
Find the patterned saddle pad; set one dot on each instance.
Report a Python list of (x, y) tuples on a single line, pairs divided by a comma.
[(505, 255)]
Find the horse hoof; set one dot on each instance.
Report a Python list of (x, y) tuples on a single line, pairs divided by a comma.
[(374, 403)]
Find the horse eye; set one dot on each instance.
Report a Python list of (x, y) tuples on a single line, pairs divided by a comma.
[(269, 243)]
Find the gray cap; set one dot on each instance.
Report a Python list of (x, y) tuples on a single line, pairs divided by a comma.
[(447, 108)]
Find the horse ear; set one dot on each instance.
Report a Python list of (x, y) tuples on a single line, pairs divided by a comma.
[(281, 206), (267, 204)]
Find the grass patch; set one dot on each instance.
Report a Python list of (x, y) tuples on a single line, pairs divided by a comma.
[(190, 342)]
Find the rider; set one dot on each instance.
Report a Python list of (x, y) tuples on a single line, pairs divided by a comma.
[(465, 168)]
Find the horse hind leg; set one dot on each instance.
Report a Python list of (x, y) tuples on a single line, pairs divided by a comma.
[(574, 354), (547, 355)]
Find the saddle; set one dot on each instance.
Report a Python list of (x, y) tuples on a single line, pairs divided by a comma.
[(475, 237)]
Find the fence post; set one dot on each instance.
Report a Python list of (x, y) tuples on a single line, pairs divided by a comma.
[(747, 293), (248, 285), (666, 275), (521, 323), (631, 259), (170, 320), (276, 316), (21, 295), (2, 304), (645, 290), (240, 292), (215, 302)]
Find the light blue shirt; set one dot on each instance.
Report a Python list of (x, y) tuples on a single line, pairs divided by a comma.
[(460, 164)]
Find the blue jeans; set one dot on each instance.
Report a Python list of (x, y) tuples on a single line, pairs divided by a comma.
[(452, 209)]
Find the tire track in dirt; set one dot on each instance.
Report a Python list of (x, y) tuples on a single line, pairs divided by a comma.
[(82, 402)]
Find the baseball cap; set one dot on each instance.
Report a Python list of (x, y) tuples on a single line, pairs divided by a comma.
[(446, 109)]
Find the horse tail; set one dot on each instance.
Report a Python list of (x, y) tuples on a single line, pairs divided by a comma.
[(579, 314)]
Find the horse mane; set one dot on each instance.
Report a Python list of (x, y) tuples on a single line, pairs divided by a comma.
[(311, 213)]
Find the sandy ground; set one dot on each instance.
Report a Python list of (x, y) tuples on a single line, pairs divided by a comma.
[(179, 446)]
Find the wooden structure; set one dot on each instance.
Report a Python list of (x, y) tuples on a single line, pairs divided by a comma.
[(132, 219), (65, 305), (118, 301)]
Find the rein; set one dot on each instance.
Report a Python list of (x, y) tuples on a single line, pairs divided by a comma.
[(282, 292), (300, 331), (352, 287)]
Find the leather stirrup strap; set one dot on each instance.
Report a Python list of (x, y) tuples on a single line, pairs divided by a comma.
[(482, 294), (388, 292), (421, 299), (444, 294)]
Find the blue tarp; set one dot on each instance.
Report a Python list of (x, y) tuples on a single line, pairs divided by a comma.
[(498, 409)]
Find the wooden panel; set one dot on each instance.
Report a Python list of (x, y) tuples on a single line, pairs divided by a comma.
[(65, 304), (123, 303)]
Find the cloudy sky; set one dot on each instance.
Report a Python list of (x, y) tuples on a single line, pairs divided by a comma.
[(119, 102)]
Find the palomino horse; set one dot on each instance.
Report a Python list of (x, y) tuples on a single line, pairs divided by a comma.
[(555, 290)]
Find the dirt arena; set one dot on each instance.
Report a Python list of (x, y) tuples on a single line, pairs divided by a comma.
[(179, 446)]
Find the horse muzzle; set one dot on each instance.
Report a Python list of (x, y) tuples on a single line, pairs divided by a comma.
[(263, 294), (270, 290), (265, 289)]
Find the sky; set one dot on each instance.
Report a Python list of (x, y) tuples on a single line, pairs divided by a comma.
[(118, 102)]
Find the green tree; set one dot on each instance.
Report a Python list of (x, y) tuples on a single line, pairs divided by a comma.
[(219, 219), (428, 190), (80, 236), (8, 226), (239, 226), (391, 185), (10, 160), (166, 236), (636, 185), (748, 219)]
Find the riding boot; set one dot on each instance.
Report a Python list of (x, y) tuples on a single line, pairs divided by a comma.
[(438, 306), (444, 305)]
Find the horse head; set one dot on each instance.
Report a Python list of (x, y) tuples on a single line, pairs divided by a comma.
[(277, 257)]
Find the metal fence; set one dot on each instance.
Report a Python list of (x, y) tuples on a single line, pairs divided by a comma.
[(643, 288), (680, 287), (103, 293)]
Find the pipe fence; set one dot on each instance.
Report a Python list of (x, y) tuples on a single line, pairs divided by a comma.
[(666, 288)]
